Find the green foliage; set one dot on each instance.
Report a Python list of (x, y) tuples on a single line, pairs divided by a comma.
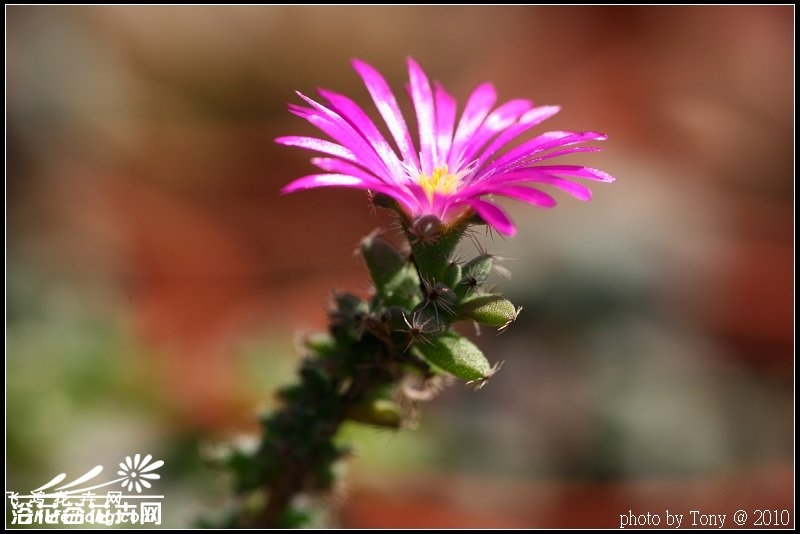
[(489, 310), (458, 356), (351, 373)]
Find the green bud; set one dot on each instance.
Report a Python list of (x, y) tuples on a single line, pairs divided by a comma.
[(383, 260), (479, 267), (490, 310), (452, 275), (456, 355), (321, 343), (426, 321), (377, 412), (396, 281), (346, 306), (474, 274), (346, 313), (402, 289)]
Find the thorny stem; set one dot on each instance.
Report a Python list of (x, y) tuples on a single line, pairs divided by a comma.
[(297, 474), (354, 371), (305, 468)]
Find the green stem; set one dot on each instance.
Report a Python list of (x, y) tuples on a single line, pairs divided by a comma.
[(301, 434), (367, 351)]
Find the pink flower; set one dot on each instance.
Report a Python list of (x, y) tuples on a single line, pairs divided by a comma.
[(457, 166)]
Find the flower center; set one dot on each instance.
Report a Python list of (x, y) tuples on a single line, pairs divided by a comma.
[(439, 181)]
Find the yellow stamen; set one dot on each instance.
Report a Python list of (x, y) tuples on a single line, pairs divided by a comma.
[(440, 181)]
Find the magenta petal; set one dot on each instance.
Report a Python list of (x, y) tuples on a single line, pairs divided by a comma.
[(538, 115), (576, 170), (422, 97), (387, 106), (527, 194), (359, 155), (343, 180), (542, 175), (540, 144), (445, 122), (301, 111), (563, 152), (342, 131), (338, 166), (494, 216), (324, 180), (320, 145), (528, 120), (478, 105), (362, 123), (498, 120), (579, 191)]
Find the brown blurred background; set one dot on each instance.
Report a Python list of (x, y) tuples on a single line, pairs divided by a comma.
[(156, 279)]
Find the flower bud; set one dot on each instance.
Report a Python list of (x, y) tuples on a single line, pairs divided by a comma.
[(383, 260), (478, 268), (320, 343), (346, 307), (395, 279), (452, 275), (427, 228), (346, 312), (425, 320)]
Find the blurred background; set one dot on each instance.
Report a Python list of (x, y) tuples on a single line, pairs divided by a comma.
[(156, 280)]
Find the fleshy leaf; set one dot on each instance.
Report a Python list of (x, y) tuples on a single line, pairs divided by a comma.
[(376, 412), (456, 355), (489, 310)]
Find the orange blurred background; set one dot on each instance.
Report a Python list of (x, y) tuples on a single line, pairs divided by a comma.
[(156, 279)]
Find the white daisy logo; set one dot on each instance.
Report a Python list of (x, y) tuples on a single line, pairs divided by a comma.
[(136, 471)]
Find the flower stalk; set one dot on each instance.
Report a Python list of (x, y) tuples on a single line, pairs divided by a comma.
[(353, 372), (438, 188)]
